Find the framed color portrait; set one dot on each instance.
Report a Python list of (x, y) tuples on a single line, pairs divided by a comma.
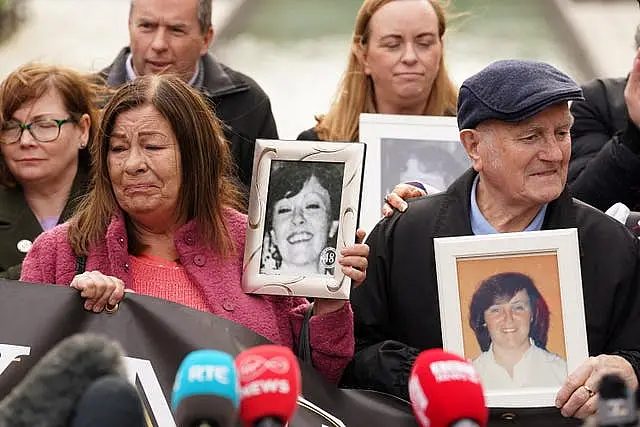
[(303, 209), (512, 304), (405, 148)]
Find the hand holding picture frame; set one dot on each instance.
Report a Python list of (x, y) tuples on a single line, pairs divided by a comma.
[(303, 209), (512, 303)]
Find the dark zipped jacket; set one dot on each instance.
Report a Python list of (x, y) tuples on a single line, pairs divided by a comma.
[(19, 224), (605, 152), (396, 311)]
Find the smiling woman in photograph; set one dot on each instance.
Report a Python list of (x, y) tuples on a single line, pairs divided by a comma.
[(303, 206), (510, 319)]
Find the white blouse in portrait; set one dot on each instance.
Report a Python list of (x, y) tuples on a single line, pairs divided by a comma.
[(537, 368)]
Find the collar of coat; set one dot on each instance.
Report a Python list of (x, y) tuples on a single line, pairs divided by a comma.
[(455, 210), (214, 80), (14, 205)]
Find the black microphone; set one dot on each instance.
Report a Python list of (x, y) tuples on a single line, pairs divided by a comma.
[(48, 394), (616, 404), (109, 401)]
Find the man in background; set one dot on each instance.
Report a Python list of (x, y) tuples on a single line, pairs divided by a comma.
[(173, 37)]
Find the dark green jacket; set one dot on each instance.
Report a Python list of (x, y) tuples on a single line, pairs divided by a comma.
[(18, 223)]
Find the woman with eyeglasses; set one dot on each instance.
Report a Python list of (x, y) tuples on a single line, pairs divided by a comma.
[(47, 120)]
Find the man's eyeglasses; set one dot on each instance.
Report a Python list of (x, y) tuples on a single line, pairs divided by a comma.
[(45, 130)]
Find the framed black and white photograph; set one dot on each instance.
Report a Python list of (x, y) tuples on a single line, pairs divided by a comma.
[(512, 304), (402, 148), (303, 209)]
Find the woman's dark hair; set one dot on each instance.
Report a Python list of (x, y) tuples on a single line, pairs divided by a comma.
[(207, 165), (502, 287), (289, 178)]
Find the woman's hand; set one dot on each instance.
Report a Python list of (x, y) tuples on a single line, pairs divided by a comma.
[(578, 397), (99, 290), (396, 199), (353, 261)]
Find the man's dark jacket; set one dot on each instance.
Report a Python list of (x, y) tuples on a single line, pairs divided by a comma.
[(236, 99), (396, 310), (17, 222), (605, 152)]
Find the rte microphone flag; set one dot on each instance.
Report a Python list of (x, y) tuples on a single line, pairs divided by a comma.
[(445, 391), (270, 384), (205, 390)]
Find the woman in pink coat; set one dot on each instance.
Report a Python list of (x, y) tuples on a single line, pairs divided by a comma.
[(161, 219)]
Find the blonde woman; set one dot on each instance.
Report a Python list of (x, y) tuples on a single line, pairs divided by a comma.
[(396, 66)]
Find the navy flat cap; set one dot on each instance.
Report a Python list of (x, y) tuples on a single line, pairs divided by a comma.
[(511, 91)]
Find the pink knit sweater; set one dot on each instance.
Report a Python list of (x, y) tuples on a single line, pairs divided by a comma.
[(279, 319)]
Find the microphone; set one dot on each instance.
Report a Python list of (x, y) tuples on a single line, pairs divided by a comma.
[(269, 385), (445, 391), (205, 391), (109, 401), (616, 404), (50, 391)]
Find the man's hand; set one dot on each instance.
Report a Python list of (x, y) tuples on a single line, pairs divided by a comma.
[(578, 397), (396, 199), (632, 91)]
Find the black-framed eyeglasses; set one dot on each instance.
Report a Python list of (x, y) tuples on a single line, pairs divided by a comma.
[(43, 130)]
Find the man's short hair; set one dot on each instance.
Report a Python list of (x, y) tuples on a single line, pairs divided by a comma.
[(637, 37), (203, 12)]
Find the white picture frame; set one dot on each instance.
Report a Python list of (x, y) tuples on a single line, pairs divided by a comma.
[(397, 147), (458, 259), (294, 221)]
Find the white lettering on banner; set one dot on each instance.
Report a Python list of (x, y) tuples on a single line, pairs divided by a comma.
[(255, 365), (454, 370), (142, 370), (259, 387), (9, 352), (208, 373)]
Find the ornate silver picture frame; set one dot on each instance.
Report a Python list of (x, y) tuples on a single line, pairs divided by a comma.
[(303, 209)]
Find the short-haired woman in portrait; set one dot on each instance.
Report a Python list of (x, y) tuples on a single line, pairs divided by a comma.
[(510, 319), (303, 206)]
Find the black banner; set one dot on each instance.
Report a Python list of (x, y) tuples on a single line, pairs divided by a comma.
[(156, 336)]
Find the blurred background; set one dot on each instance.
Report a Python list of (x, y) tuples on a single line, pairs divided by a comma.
[(297, 49)]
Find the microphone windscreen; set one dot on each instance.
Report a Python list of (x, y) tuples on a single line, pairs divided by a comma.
[(270, 383), (616, 404), (109, 401), (445, 388), (49, 392), (206, 389)]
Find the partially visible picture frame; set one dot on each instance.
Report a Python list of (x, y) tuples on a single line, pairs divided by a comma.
[(304, 204), (405, 148), (509, 292)]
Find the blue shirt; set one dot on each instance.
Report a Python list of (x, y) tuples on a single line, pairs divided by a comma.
[(480, 225)]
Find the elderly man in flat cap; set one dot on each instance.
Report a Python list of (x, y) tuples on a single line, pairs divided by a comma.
[(514, 123)]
